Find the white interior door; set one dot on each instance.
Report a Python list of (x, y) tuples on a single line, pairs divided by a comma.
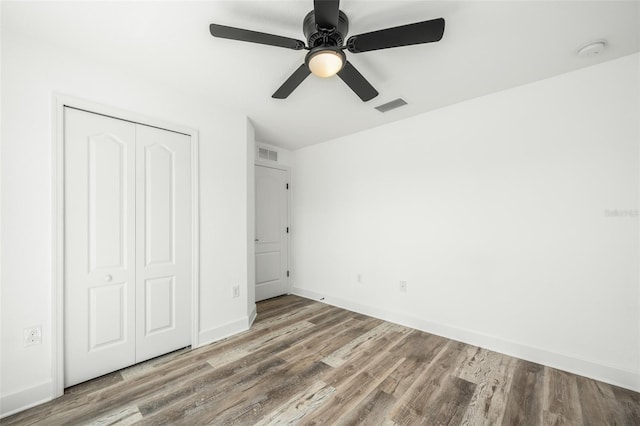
[(271, 233), (99, 331), (163, 242), (128, 230)]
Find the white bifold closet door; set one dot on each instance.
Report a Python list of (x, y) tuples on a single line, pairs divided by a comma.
[(127, 243)]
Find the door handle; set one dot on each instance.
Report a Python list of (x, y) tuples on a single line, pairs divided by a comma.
[(107, 278), (256, 240)]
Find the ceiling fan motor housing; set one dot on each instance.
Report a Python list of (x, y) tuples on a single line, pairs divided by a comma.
[(316, 37)]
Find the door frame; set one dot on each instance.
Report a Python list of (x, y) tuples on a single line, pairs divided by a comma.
[(60, 101), (287, 169)]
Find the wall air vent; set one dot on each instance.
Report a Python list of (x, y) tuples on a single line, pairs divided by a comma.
[(267, 154), (396, 103)]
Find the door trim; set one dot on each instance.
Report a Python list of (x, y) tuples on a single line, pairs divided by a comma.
[(287, 169), (59, 102)]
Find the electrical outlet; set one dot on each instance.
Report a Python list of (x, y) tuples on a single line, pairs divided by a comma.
[(236, 291), (403, 286), (32, 336)]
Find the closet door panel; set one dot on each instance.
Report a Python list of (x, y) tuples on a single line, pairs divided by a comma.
[(99, 287), (163, 235)]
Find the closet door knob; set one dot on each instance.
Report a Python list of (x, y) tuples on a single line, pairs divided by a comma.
[(108, 278)]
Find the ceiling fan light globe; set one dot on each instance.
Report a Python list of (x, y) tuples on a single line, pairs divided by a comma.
[(326, 63)]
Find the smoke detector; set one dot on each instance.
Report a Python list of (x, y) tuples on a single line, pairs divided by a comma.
[(593, 48)]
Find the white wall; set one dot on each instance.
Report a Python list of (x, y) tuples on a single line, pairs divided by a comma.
[(30, 75), (498, 213)]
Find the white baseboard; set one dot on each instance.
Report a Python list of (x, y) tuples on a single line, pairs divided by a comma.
[(603, 373), (252, 316), (211, 335), (26, 398)]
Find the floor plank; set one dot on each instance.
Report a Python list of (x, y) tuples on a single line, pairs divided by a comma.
[(629, 403), (598, 403), (561, 404), (418, 404), (295, 409), (492, 374), (524, 404)]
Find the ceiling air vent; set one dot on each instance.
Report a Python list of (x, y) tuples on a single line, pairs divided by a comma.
[(396, 103), (267, 154)]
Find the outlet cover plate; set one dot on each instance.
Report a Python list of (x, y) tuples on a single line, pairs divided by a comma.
[(32, 336)]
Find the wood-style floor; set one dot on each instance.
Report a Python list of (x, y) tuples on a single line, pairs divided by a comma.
[(304, 362)]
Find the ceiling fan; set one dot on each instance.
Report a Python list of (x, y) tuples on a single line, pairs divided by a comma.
[(325, 28)]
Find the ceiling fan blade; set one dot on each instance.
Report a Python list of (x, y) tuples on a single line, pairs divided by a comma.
[(292, 82), (404, 35), (350, 75), (240, 34), (326, 13)]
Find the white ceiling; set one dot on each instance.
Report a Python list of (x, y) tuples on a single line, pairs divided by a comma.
[(487, 47)]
